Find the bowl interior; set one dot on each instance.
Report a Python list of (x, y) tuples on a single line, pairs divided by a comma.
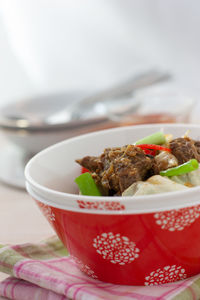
[(55, 167)]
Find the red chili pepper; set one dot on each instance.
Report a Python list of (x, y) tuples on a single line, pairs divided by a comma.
[(150, 147), (84, 170)]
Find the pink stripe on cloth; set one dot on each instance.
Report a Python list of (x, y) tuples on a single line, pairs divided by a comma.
[(5, 265), (51, 266), (4, 291), (192, 293), (19, 266), (41, 274), (178, 287), (116, 294), (20, 250), (21, 290), (175, 289), (12, 292), (23, 250), (63, 277)]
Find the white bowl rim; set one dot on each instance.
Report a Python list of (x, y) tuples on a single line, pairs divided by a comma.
[(190, 192), (130, 211)]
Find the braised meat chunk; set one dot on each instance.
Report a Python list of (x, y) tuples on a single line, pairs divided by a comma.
[(197, 145), (184, 149), (117, 168)]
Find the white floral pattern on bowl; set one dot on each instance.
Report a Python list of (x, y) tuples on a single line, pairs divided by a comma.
[(165, 275), (47, 211), (100, 205), (116, 248), (177, 219)]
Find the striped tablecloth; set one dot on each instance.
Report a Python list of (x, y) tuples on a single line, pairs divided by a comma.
[(44, 271)]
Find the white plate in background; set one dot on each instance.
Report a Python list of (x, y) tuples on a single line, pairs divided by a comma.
[(12, 163)]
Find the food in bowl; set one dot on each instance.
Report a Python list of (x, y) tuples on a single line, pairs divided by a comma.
[(155, 164), (144, 240)]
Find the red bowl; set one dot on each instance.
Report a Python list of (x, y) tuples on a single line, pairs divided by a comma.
[(143, 240)]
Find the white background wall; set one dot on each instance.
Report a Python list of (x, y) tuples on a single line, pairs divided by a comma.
[(53, 45)]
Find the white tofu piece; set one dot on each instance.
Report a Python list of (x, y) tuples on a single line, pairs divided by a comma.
[(154, 185)]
